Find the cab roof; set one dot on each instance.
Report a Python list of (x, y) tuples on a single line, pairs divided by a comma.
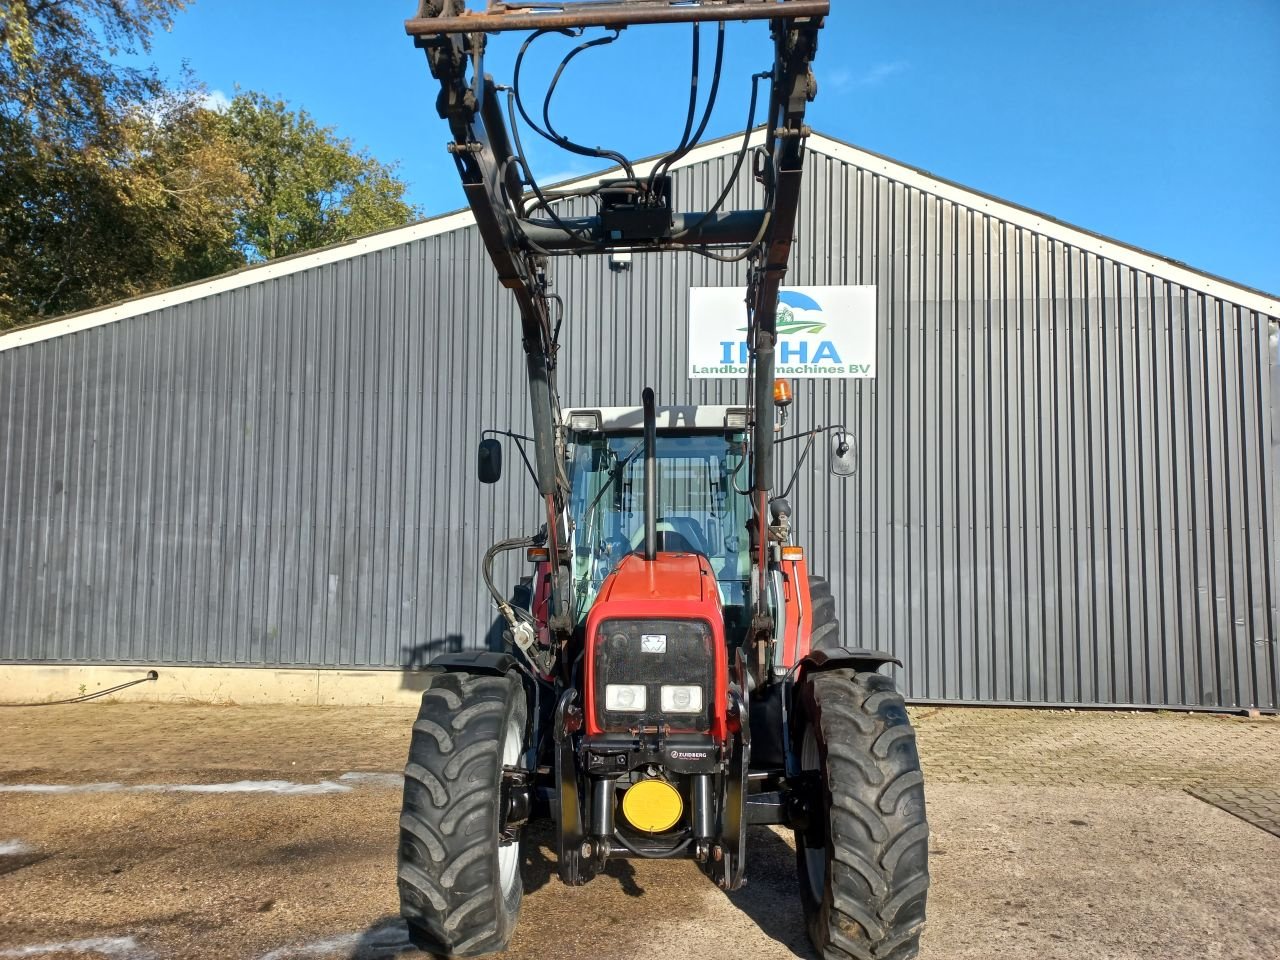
[(629, 419)]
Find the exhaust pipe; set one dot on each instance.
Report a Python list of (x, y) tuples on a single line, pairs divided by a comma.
[(650, 476)]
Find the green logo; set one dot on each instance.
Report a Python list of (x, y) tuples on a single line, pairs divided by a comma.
[(787, 322)]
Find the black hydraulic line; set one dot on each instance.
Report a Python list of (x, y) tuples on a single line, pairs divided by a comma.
[(751, 250), (486, 565), (678, 849), (86, 697), (737, 165), (543, 202), (560, 139), (548, 134), (650, 476), (695, 60), (689, 141)]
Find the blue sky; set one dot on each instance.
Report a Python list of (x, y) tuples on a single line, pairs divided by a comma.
[(1156, 122)]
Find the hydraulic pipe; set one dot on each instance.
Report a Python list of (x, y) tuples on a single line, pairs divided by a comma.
[(762, 451), (602, 808), (704, 811), (693, 229), (762, 446), (650, 476), (544, 425)]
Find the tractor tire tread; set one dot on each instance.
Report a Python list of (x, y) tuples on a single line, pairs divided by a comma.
[(450, 890), (877, 868)]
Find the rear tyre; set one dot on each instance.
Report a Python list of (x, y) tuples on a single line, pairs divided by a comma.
[(824, 629), (460, 885), (863, 858)]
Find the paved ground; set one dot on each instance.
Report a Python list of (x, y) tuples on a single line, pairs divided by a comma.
[(1259, 806), (137, 831)]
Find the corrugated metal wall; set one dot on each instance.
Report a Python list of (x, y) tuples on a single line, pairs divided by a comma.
[(1066, 495)]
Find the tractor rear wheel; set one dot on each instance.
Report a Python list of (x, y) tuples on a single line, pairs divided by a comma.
[(825, 625), (862, 857), (460, 885)]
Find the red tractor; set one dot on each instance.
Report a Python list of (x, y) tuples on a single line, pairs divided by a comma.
[(672, 674)]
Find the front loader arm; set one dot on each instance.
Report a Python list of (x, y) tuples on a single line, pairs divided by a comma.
[(640, 217), (481, 148)]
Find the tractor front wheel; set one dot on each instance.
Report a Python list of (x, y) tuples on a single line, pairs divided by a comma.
[(862, 855), (459, 877)]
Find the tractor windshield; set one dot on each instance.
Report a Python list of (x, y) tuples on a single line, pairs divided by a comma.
[(700, 508)]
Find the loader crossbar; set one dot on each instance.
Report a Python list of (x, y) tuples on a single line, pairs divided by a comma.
[(437, 17)]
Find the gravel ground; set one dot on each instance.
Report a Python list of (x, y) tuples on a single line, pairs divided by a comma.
[(1072, 863)]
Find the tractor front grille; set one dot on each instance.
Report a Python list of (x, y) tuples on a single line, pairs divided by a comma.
[(688, 657)]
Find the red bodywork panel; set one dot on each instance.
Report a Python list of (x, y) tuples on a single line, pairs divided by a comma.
[(675, 586), (799, 626), (542, 601)]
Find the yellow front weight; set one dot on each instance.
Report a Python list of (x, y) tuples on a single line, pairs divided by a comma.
[(652, 806)]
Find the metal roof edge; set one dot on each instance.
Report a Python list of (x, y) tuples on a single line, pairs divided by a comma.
[(1115, 250), (1005, 210), (349, 249)]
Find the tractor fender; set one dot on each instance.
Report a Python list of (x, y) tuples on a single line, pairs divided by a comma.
[(490, 663), (831, 658), (497, 663), (862, 659)]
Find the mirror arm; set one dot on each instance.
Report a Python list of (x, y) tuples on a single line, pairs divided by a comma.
[(799, 463), (519, 438), (809, 435)]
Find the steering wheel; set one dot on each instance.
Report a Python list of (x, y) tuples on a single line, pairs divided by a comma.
[(682, 527)]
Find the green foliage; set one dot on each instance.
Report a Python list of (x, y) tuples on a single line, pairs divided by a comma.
[(309, 188), (112, 186), (86, 224), (56, 77)]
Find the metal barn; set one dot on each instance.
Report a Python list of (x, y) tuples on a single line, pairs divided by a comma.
[(1068, 469)]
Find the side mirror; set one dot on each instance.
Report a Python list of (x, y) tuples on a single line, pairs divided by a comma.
[(489, 460), (844, 461)]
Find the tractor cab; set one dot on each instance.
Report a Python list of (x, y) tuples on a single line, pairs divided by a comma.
[(702, 505)]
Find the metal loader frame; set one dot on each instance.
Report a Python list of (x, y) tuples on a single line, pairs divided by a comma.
[(638, 217)]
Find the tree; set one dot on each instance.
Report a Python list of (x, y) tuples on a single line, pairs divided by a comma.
[(54, 77), (310, 188), (112, 186), (108, 180), (85, 223)]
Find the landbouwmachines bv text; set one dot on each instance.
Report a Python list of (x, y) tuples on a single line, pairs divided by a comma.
[(673, 674)]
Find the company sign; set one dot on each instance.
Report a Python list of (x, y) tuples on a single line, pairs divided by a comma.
[(823, 332)]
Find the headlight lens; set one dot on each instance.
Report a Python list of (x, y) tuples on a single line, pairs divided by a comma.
[(681, 698), (625, 697)]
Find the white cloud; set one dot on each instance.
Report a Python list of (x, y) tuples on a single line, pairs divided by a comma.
[(216, 101), (844, 79)]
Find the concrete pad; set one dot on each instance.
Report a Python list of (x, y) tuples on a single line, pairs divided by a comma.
[(1045, 872), (37, 683)]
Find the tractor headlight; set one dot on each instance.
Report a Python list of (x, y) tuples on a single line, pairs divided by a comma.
[(625, 697), (681, 698), (667, 665)]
